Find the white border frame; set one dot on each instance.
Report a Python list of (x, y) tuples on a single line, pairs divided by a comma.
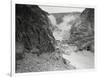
[(13, 74)]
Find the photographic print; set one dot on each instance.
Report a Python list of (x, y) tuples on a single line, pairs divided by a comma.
[(53, 38)]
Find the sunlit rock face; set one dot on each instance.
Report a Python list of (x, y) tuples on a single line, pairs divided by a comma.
[(32, 29), (82, 32)]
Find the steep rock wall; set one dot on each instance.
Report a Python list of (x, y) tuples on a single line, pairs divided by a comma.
[(82, 32), (32, 29)]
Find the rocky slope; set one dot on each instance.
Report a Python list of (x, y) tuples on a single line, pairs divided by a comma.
[(82, 32)]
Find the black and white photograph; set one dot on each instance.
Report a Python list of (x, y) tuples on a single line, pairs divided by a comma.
[(53, 38)]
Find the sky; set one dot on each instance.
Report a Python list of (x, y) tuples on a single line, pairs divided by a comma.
[(58, 9)]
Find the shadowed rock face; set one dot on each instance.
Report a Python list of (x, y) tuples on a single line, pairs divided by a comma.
[(32, 29), (82, 32)]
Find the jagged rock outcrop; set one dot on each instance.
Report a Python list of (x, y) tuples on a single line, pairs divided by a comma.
[(32, 29), (82, 32)]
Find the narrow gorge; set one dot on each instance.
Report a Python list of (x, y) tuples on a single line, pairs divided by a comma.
[(53, 41)]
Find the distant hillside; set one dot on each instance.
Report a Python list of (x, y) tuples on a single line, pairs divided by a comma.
[(59, 16)]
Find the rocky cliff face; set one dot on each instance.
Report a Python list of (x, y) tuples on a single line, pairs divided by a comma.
[(82, 32), (32, 30)]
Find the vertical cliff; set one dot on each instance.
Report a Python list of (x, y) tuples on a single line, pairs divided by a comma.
[(32, 30)]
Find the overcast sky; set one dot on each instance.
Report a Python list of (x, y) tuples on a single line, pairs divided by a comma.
[(55, 9)]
